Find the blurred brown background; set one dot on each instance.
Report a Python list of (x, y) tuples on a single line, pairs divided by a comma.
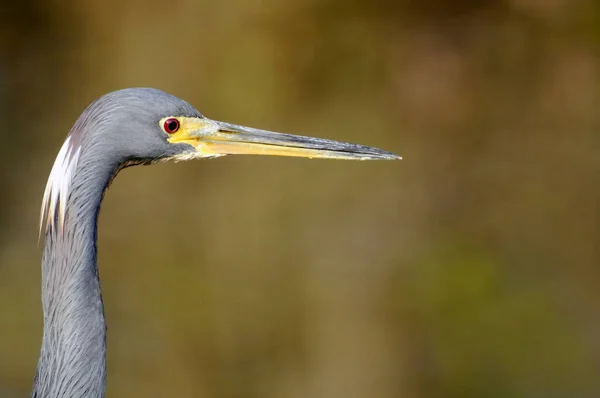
[(468, 269)]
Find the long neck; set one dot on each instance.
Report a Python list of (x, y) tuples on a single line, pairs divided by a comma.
[(73, 355)]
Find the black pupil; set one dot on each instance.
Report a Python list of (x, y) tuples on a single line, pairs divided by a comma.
[(172, 125)]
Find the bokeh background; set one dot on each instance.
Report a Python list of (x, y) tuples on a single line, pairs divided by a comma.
[(468, 269)]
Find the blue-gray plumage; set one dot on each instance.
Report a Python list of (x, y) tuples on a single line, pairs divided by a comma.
[(121, 129)]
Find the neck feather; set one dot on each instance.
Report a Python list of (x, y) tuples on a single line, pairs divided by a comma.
[(73, 355)]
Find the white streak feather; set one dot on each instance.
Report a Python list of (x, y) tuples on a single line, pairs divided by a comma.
[(57, 187)]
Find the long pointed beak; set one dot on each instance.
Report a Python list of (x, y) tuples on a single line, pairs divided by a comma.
[(213, 138)]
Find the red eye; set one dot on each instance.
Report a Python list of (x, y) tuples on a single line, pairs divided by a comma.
[(171, 125)]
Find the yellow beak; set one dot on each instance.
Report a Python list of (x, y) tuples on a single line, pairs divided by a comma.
[(213, 138)]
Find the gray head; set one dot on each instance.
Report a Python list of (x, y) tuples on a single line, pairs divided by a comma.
[(129, 126), (145, 125)]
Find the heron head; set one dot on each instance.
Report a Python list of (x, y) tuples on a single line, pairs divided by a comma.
[(145, 125)]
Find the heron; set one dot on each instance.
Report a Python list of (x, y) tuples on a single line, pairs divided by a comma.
[(133, 126)]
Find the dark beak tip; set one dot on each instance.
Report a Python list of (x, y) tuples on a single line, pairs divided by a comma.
[(384, 155)]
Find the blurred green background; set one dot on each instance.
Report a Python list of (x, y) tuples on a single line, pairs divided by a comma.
[(468, 269)]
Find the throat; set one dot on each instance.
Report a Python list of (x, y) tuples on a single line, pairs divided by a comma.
[(73, 355)]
